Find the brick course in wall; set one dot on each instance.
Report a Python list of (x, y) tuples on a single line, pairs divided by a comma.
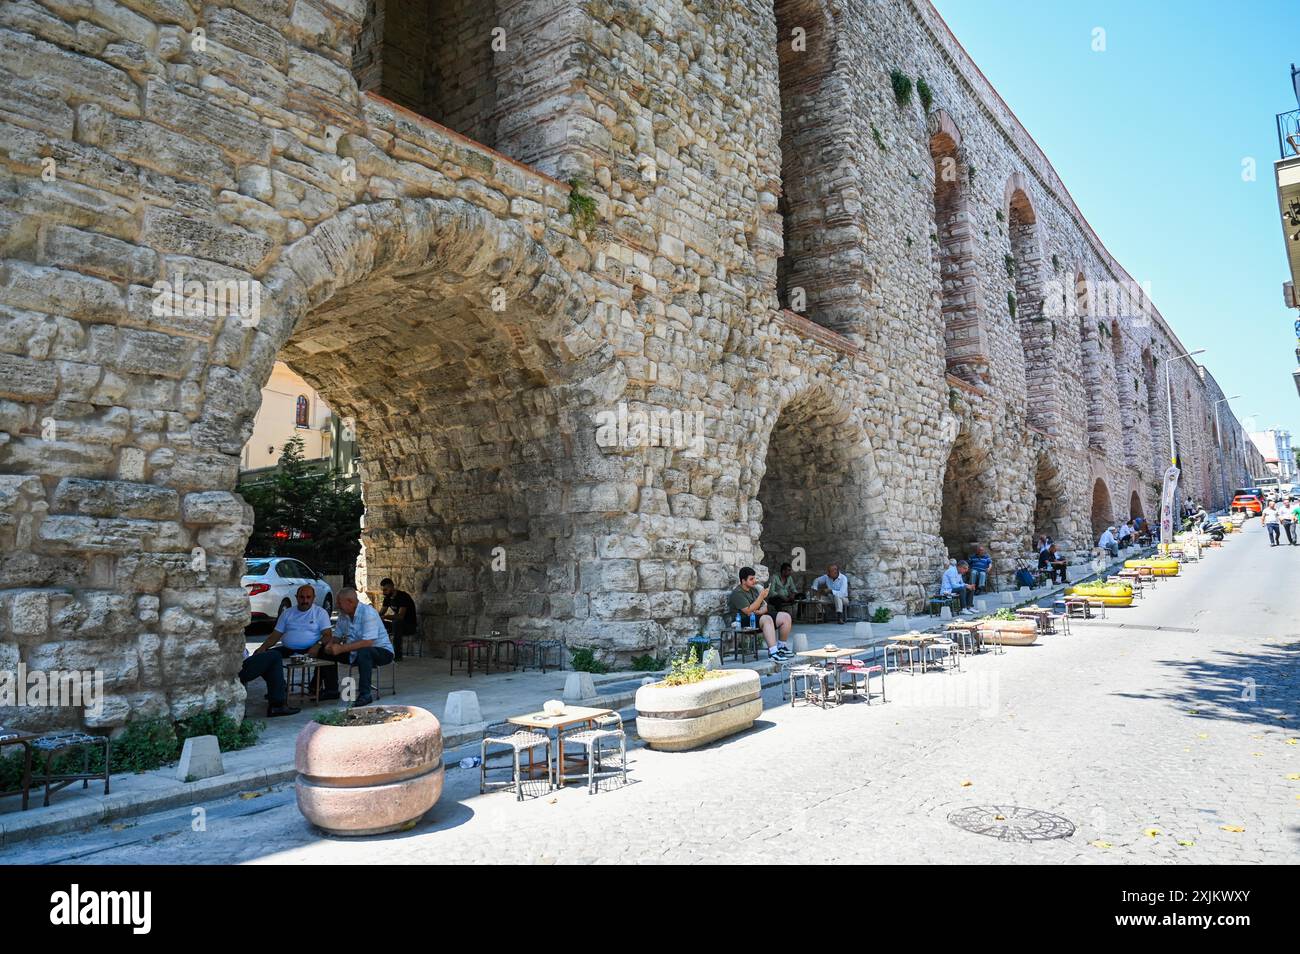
[(400, 200)]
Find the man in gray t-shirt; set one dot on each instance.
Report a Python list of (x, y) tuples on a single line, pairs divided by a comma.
[(749, 600)]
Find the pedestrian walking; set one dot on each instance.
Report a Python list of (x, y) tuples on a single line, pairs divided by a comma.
[(1271, 518), (1287, 517)]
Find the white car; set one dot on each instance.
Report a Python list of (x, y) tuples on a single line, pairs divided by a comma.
[(272, 583)]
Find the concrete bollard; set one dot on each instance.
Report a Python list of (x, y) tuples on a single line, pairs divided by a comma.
[(945, 612), (1023, 592), (579, 686), (461, 709), (200, 758), (981, 603), (800, 642), (862, 631), (712, 660)]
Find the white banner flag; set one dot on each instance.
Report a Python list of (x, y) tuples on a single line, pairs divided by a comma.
[(1167, 508)]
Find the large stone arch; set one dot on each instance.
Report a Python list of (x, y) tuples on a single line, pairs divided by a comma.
[(819, 490), (443, 333), (966, 511), (1050, 515), (1102, 513)]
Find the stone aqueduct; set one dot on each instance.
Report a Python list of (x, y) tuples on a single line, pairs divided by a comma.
[(400, 190)]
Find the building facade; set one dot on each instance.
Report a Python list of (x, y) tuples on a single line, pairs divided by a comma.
[(1274, 446), (620, 297), (290, 408)]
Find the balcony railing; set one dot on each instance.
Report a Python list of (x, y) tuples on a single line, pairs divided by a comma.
[(1288, 134)]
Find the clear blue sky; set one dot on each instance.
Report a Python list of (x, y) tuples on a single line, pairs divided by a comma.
[(1149, 137)]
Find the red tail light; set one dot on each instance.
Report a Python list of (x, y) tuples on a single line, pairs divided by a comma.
[(255, 588)]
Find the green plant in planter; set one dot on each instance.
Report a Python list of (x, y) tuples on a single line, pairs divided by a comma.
[(331, 717), (902, 84), (923, 90), (684, 670), (1005, 614), (581, 206), (584, 660), (882, 615)]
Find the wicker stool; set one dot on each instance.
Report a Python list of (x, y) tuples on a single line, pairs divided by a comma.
[(814, 685), (56, 742), (507, 737), (608, 728)]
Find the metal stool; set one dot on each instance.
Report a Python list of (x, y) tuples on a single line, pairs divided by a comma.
[(607, 728), (507, 737), (56, 742), (944, 649), (814, 685), (864, 671), (534, 653), (469, 650), (375, 672)]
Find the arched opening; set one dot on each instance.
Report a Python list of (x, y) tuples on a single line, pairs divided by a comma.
[(819, 495), (1049, 500), (1024, 269), (492, 71), (1135, 508), (1124, 388), (964, 346), (817, 263), (458, 407), (1103, 514), (1090, 353), (965, 518)]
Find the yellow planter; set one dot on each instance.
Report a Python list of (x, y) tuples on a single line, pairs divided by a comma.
[(1110, 594), (1158, 567)]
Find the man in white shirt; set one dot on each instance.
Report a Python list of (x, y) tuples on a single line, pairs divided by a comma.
[(305, 629), (833, 587), (1270, 516), (1125, 534), (1109, 542), (361, 634)]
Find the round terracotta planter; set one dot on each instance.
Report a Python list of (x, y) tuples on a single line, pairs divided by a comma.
[(676, 718), (366, 780)]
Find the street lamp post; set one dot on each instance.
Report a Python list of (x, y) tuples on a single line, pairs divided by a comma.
[(1223, 476)]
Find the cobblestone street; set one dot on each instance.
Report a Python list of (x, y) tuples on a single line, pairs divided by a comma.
[(1147, 740)]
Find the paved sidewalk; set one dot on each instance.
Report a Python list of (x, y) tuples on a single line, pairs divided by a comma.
[(1156, 733)]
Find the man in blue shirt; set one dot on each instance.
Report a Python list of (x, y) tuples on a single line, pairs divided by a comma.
[(305, 630), (980, 563), (361, 633), (954, 581)]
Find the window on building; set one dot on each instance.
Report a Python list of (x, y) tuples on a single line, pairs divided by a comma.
[(300, 412)]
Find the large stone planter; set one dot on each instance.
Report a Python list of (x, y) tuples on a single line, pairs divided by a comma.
[(366, 780), (676, 718), (1010, 632)]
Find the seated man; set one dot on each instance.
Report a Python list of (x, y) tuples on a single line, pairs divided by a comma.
[(954, 582), (833, 587), (1109, 542), (1125, 535), (268, 666), (746, 600), (305, 629), (782, 591), (1050, 559), (400, 609), (980, 564), (361, 634)]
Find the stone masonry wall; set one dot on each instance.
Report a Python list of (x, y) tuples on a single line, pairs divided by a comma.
[(445, 297)]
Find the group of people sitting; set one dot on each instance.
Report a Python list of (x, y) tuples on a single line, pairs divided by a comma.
[(306, 629), (962, 579), (1127, 534), (767, 607)]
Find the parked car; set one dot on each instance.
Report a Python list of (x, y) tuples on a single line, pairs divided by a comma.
[(271, 583), (1247, 503)]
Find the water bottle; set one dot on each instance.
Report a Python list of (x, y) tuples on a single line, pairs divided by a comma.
[(472, 762), (735, 624), (753, 621)]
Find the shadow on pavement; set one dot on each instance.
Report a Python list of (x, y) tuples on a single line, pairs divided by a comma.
[(1260, 688)]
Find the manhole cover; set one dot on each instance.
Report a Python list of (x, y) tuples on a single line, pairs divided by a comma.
[(1012, 823)]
